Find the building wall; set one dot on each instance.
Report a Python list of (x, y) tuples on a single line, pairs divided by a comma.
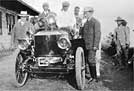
[(5, 38)]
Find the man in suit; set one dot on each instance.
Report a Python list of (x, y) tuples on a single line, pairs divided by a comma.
[(91, 33)]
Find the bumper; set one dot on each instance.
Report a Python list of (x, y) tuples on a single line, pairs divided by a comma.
[(58, 69)]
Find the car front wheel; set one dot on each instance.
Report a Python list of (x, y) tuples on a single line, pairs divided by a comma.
[(20, 72), (80, 68)]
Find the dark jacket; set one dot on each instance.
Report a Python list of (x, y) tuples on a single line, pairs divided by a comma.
[(91, 33)]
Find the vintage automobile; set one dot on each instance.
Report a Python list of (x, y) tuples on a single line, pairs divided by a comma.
[(51, 51)]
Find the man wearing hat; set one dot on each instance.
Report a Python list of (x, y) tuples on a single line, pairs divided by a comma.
[(65, 18), (46, 11), (21, 29), (91, 33), (43, 17), (122, 34)]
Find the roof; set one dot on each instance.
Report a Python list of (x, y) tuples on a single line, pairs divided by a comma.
[(17, 6)]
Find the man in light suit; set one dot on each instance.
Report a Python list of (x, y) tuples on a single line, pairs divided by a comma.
[(91, 32), (21, 29), (122, 39)]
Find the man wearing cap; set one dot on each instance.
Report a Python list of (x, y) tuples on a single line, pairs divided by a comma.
[(21, 29), (91, 33), (122, 34), (46, 11), (65, 18), (43, 17)]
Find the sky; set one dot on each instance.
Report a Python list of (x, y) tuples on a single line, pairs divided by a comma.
[(106, 11)]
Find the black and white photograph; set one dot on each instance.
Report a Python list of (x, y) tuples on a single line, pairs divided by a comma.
[(66, 45)]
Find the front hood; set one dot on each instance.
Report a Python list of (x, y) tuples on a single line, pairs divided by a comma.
[(46, 43)]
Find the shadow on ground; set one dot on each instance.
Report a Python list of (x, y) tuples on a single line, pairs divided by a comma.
[(116, 80)]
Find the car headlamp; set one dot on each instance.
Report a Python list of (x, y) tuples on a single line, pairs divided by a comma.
[(64, 43), (23, 44)]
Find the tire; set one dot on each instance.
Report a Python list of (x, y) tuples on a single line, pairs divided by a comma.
[(133, 68), (20, 73), (80, 68)]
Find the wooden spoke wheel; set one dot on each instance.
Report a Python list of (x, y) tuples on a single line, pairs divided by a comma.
[(80, 68), (20, 73)]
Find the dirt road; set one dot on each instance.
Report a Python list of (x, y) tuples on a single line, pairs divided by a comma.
[(111, 79)]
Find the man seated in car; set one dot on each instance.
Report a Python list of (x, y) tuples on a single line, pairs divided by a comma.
[(43, 19), (65, 18)]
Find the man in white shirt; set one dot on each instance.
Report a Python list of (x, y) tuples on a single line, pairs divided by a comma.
[(66, 18)]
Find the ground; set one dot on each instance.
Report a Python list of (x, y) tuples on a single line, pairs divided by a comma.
[(111, 79)]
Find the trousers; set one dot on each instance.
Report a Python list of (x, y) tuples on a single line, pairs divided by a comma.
[(91, 63), (91, 57)]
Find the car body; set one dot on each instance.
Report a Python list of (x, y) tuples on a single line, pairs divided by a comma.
[(53, 52)]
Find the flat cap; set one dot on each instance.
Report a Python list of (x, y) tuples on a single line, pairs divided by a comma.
[(88, 9), (65, 3)]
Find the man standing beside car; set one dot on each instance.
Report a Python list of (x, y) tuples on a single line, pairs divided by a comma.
[(91, 33), (22, 29)]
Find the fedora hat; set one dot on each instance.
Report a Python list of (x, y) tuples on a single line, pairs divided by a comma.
[(23, 13), (119, 19)]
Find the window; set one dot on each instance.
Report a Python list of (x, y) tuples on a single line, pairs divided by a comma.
[(10, 22), (0, 23)]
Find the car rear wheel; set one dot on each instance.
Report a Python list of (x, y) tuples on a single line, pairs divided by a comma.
[(20, 72), (80, 68)]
